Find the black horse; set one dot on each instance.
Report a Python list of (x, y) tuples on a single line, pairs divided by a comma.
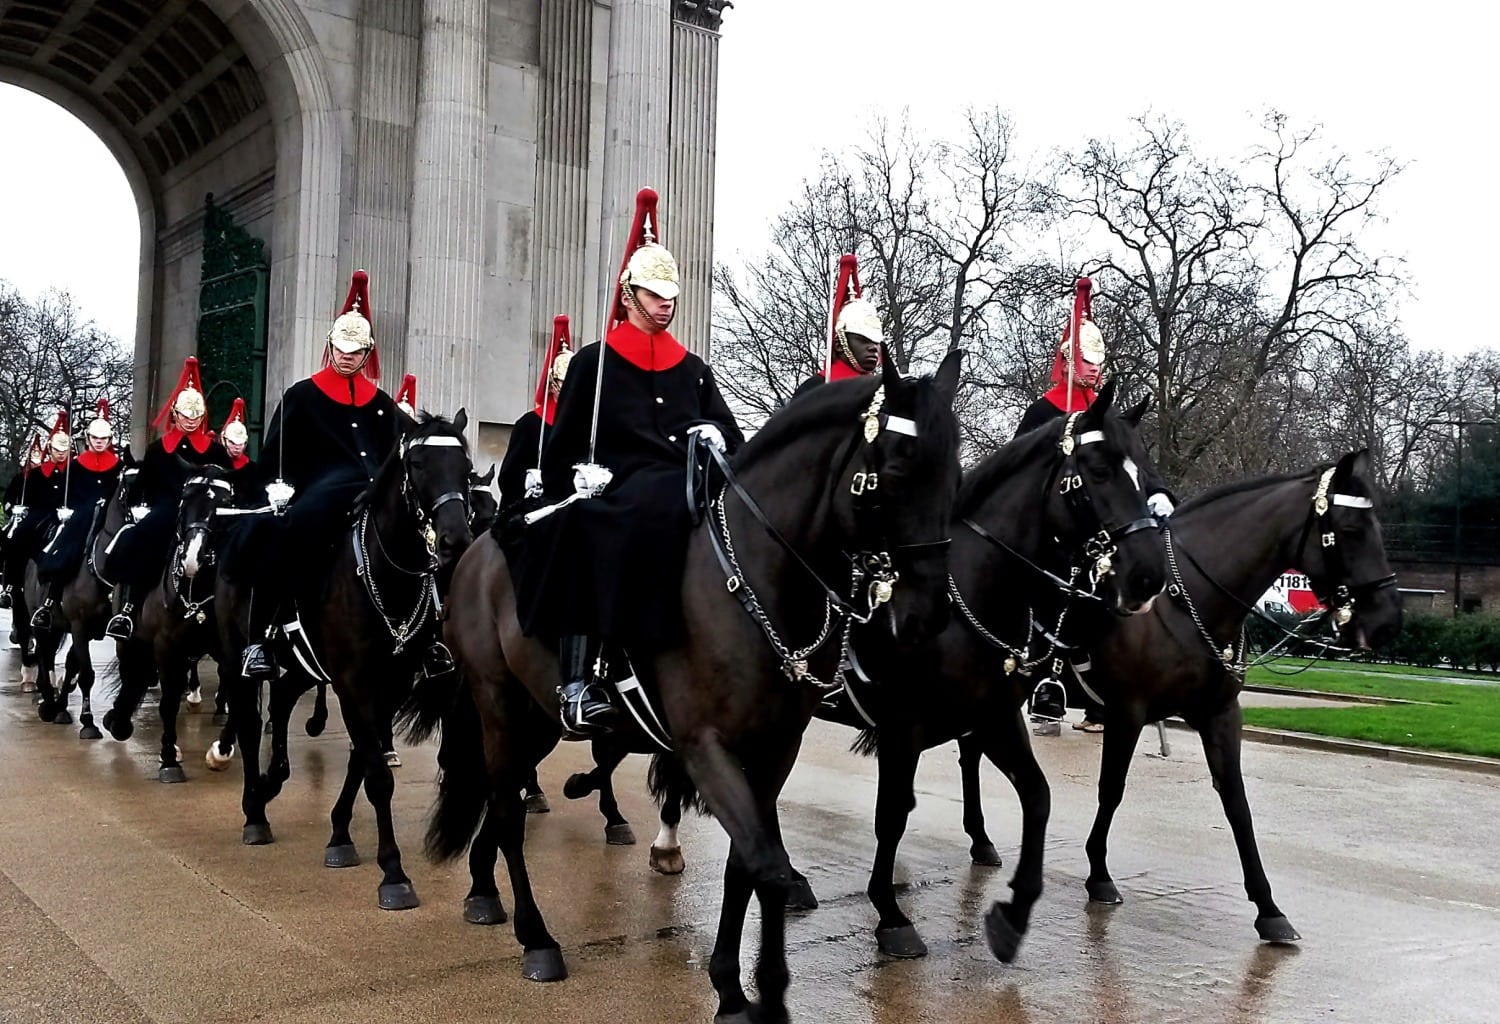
[(368, 629), (83, 609), (859, 478)]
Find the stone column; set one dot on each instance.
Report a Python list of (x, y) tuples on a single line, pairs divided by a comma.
[(637, 118), (694, 140), (447, 230), (387, 54), (567, 208)]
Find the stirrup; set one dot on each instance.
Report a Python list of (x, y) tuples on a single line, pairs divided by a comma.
[(121, 627), (4, 598), (437, 661), (584, 710), (42, 617), (257, 663)]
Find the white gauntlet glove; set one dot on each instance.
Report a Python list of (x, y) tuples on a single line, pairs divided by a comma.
[(64, 514), (534, 483), (138, 512), (18, 512), (1160, 505), (589, 479), (280, 494), (710, 433)]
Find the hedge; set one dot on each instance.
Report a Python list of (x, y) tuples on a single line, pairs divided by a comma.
[(1469, 642)]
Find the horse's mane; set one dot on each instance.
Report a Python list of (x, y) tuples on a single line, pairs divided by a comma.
[(980, 482), (1234, 487)]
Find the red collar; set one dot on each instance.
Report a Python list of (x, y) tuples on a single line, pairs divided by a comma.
[(840, 370), (98, 462), (199, 439), (48, 467), (1080, 399), (658, 351), (357, 390), (239, 461)]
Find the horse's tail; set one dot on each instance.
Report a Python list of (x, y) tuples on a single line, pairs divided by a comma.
[(463, 781), (867, 743), (668, 780), (421, 714)]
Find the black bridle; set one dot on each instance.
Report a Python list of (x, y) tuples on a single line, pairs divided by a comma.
[(1339, 592)]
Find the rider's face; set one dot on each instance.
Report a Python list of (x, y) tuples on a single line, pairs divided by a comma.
[(650, 312), (188, 424), (347, 364), (97, 444), (866, 352), (234, 449)]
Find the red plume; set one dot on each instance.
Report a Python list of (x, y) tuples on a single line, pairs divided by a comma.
[(188, 376), (102, 408), (408, 391), (562, 340), (359, 298), (848, 287), (645, 209), (60, 424), (236, 413)]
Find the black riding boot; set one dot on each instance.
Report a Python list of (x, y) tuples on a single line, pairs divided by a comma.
[(5, 601), (122, 626), (586, 710)]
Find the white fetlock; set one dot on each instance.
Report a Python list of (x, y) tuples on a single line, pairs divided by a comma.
[(216, 759), (28, 679), (195, 697)]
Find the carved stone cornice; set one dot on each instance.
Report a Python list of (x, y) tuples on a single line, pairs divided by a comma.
[(702, 13)]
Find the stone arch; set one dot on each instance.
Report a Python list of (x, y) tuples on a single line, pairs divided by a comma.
[(192, 96)]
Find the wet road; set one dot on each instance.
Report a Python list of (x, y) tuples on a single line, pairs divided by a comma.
[(125, 900)]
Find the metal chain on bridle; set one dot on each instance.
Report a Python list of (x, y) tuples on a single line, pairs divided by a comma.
[(873, 576), (403, 630), (176, 568)]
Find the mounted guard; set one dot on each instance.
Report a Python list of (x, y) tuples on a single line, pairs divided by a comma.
[(325, 444), (520, 475), (603, 563), (856, 335), (243, 475), (139, 552), (14, 504), (92, 478), (31, 518)]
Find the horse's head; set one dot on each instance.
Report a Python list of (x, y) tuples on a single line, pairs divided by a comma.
[(435, 480), (205, 492), (1344, 556), (893, 498), (482, 503)]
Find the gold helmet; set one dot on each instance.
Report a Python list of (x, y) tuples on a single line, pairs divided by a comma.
[(100, 427), (234, 430), (647, 264), (352, 331)]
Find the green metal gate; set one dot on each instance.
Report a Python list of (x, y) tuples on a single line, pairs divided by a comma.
[(232, 319)]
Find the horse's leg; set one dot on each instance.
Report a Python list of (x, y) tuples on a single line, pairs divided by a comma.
[(1221, 748), (340, 851), (749, 819), (607, 757), (221, 701), (724, 965), (193, 690), (285, 692), (244, 715), (87, 730), (52, 702), (482, 905), (1009, 747), (1121, 734), (666, 850), (136, 674), (319, 720), (536, 800), (543, 960), (172, 670), (981, 850), (894, 800), (396, 891)]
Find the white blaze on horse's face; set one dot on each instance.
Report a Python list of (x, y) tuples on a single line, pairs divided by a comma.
[(1134, 471), (190, 563)]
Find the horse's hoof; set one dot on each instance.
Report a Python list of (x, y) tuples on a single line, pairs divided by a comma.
[(257, 835), (90, 732), (484, 910), (903, 942), (398, 896), (619, 835), (392, 759), (536, 803), (315, 726), (1276, 930), (171, 773), (343, 856), (544, 965), (46, 710), (578, 786), (119, 727), (799, 896), (221, 718), (63, 717), (194, 698), (1002, 936), (216, 759), (1103, 892), (985, 855), (667, 862)]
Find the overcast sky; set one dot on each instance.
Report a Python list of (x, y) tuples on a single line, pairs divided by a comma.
[(1418, 80)]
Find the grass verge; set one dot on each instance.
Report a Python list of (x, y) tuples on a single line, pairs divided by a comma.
[(1452, 716)]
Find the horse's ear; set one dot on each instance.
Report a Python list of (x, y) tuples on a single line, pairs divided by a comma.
[(1137, 412), (1354, 464), (489, 477), (947, 373), (128, 458), (1104, 402), (890, 375), (461, 420)]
